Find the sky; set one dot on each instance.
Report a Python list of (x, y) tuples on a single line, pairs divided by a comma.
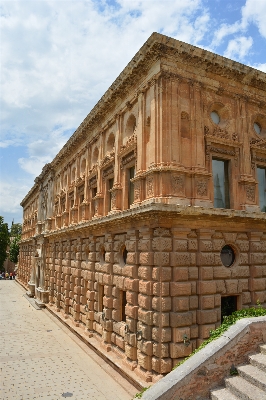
[(59, 57)]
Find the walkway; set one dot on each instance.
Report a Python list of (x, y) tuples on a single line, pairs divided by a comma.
[(41, 359)]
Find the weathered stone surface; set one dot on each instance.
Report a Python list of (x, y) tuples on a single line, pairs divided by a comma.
[(138, 261)]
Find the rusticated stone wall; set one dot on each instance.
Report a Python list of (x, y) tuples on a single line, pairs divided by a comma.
[(173, 280)]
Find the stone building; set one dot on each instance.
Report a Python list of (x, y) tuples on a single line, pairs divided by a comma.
[(149, 225)]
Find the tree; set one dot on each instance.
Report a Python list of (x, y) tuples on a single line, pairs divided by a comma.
[(16, 230), (4, 241), (14, 249)]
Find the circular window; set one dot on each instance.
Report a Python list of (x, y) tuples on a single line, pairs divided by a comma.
[(227, 256), (215, 117), (257, 128)]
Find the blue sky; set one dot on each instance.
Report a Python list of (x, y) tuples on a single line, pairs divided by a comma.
[(59, 57)]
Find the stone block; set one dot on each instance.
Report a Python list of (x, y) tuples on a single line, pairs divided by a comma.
[(194, 331), (161, 319), (108, 302), (193, 273), (161, 289), (257, 271), (131, 311), (145, 272), (231, 286), (161, 303), (146, 347), (181, 304), (131, 352), (145, 287), (178, 334), (207, 316), (161, 350), (162, 274), (205, 330), (193, 302), (179, 350), (161, 366), (145, 316), (206, 273), (180, 289), (132, 284), (207, 302), (207, 287), (144, 360), (132, 298), (145, 301), (181, 319), (180, 274), (130, 271), (161, 259), (246, 298), (161, 334), (258, 284), (146, 258)]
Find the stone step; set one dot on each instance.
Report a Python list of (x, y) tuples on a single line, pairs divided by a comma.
[(253, 375), (263, 348), (244, 390), (222, 394), (259, 361)]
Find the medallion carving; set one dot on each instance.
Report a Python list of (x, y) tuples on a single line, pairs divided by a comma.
[(178, 184), (202, 187), (250, 191), (150, 186)]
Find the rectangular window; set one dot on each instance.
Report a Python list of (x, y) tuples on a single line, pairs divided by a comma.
[(262, 188), (93, 194), (100, 298), (81, 198), (123, 305), (131, 174), (220, 183), (110, 186)]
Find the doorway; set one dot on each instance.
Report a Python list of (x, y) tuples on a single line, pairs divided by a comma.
[(228, 306)]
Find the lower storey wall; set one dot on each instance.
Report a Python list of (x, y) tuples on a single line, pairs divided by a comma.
[(150, 294)]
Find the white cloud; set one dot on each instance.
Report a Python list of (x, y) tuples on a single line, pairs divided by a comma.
[(261, 67), (13, 194), (255, 11), (239, 47), (59, 57)]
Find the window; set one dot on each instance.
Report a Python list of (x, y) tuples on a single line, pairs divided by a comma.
[(81, 198), (261, 172), (110, 186), (123, 305), (100, 298), (131, 174), (220, 183), (215, 117)]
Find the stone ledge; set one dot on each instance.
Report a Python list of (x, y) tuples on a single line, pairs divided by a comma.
[(207, 368)]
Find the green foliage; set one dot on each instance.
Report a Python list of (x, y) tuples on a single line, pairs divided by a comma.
[(4, 242), (16, 230), (139, 395), (14, 249), (227, 322)]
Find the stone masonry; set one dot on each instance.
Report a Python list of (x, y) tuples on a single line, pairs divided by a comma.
[(122, 232)]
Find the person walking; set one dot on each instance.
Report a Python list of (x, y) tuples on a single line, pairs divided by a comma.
[(10, 276), (7, 275)]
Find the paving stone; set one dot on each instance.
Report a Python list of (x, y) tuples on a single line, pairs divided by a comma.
[(40, 359)]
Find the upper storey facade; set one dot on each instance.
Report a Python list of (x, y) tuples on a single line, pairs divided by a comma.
[(180, 125)]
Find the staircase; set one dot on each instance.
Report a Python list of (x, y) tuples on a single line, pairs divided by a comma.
[(249, 384)]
